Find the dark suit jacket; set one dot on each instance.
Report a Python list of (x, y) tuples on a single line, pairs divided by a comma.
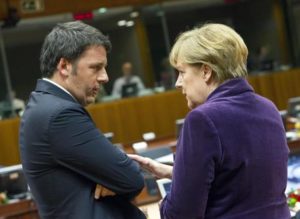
[(64, 155)]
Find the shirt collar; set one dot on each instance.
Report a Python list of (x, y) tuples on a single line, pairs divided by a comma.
[(56, 84)]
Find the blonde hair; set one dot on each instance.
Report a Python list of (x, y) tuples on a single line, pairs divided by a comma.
[(215, 45)]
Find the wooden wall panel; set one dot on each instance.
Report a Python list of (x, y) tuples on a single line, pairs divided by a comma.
[(294, 81), (266, 86), (130, 118), (277, 86), (9, 142), (145, 115), (253, 81), (283, 89)]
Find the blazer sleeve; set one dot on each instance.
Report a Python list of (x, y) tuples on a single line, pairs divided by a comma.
[(79, 146), (197, 157)]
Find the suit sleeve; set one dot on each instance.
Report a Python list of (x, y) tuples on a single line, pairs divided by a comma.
[(78, 145), (197, 156)]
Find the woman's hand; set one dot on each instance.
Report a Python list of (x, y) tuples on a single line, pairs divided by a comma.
[(158, 169), (101, 191)]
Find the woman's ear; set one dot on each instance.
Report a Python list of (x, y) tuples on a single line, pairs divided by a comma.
[(207, 72), (64, 67)]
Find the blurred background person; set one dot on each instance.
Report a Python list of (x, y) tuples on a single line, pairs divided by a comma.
[(129, 84), (261, 60), (166, 75), (11, 106), (18, 104)]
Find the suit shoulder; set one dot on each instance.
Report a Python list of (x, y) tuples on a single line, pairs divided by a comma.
[(43, 106)]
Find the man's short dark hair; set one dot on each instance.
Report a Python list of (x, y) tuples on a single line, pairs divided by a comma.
[(69, 40)]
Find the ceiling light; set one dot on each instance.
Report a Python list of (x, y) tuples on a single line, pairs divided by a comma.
[(134, 14), (129, 23), (121, 23), (102, 10)]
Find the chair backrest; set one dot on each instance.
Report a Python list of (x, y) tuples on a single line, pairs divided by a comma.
[(294, 107), (178, 126), (12, 181)]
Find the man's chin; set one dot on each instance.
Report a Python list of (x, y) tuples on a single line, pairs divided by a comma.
[(90, 100)]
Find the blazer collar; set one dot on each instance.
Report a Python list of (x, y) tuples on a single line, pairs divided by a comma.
[(47, 87), (231, 87)]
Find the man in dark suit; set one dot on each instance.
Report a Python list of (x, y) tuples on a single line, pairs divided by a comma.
[(64, 155)]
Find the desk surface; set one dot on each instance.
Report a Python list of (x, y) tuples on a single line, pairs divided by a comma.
[(151, 210), (169, 141)]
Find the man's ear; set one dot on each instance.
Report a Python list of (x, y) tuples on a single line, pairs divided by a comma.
[(207, 72), (64, 67)]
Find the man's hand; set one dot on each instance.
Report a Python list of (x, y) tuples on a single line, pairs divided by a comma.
[(158, 169), (101, 191)]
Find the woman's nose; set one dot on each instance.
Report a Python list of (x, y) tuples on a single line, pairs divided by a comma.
[(178, 83)]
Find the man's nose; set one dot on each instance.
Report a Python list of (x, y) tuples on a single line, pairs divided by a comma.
[(103, 77)]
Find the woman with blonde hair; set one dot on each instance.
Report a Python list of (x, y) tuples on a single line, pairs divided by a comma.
[(231, 156)]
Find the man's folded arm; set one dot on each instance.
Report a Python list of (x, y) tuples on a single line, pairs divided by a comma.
[(78, 145)]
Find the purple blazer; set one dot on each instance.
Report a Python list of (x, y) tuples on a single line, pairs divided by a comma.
[(231, 159)]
